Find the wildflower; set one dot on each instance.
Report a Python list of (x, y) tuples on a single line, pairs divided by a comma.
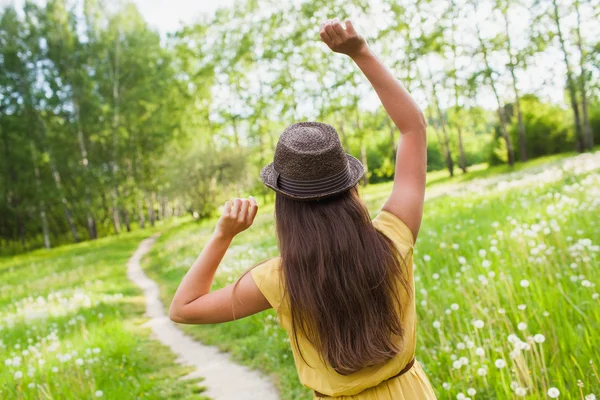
[(521, 392), (480, 351), (79, 362), (18, 375), (446, 385), (426, 258), (457, 364), (31, 385), (455, 246), (462, 260), (478, 324), (436, 324), (501, 311), (521, 307), (482, 253), (460, 396), (454, 306), (595, 296), (471, 392), (500, 363), (524, 283), (436, 276), (486, 263), (553, 392), (482, 371), (539, 338), (8, 362), (522, 326), (460, 346), (99, 393), (590, 396), (54, 369)]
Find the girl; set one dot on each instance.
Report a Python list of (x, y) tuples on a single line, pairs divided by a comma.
[(343, 284)]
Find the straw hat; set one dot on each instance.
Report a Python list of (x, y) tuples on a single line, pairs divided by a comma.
[(310, 163)]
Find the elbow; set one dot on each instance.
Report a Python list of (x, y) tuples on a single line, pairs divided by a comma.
[(175, 314)]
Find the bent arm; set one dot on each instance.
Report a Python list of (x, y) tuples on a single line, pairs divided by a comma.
[(193, 302), (408, 193)]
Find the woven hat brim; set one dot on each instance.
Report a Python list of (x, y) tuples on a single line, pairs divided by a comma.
[(356, 172)]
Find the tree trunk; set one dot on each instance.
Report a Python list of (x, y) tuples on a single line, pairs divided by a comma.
[(58, 181), (151, 216), (42, 204), (443, 124), (509, 148), (363, 146), (115, 128), (343, 135), (462, 161), (141, 215), (570, 83), (588, 135), (127, 219), (91, 222), (521, 125)]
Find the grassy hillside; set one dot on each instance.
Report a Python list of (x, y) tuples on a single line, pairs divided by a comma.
[(506, 283), (70, 328)]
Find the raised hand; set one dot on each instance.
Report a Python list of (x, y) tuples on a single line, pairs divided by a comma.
[(238, 215), (343, 40)]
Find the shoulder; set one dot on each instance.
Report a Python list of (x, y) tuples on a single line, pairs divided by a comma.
[(394, 228), (267, 277)]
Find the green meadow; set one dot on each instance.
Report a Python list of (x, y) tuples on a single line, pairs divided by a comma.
[(506, 270), (71, 327), (506, 285)]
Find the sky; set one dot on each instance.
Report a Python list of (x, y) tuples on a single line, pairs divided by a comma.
[(164, 15)]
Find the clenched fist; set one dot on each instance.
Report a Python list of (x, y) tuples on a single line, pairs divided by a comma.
[(238, 215), (342, 39)]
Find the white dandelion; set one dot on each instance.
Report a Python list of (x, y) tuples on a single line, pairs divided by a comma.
[(553, 392)]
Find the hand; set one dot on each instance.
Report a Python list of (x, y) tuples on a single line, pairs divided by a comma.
[(340, 40), (237, 216)]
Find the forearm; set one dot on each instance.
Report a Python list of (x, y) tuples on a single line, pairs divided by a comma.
[(199, 278), (399, 104)]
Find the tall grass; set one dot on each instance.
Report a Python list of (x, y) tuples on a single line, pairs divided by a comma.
[(71, 328), (506, 285)]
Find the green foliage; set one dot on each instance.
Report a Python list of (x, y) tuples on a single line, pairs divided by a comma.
[(105, 126), (547, 127)]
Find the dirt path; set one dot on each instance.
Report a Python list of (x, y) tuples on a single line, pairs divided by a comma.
[(223, 378)]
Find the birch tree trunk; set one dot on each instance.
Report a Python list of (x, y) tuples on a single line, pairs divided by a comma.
[(91, 222), (501, 116), (115, 128), (42, 204), (579, 145), (588, 135), (511, 67)]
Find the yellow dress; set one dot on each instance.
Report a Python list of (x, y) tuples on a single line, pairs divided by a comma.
[(372, 383)]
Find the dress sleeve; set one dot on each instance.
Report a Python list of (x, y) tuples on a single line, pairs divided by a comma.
[(267, 278), (393, 227)]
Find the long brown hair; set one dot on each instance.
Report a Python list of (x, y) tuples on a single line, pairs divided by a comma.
[(341, 277)]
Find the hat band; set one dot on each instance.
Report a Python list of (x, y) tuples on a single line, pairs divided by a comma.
[(312, 187)]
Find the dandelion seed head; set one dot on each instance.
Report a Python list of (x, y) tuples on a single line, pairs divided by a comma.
[(553, 392)]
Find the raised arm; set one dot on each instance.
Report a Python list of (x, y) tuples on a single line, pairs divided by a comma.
[(408, 193)]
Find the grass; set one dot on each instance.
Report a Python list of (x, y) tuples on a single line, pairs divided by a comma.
[(506, 283), (71, 328)]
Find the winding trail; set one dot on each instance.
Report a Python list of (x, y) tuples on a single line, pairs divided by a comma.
[(223, 379)]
